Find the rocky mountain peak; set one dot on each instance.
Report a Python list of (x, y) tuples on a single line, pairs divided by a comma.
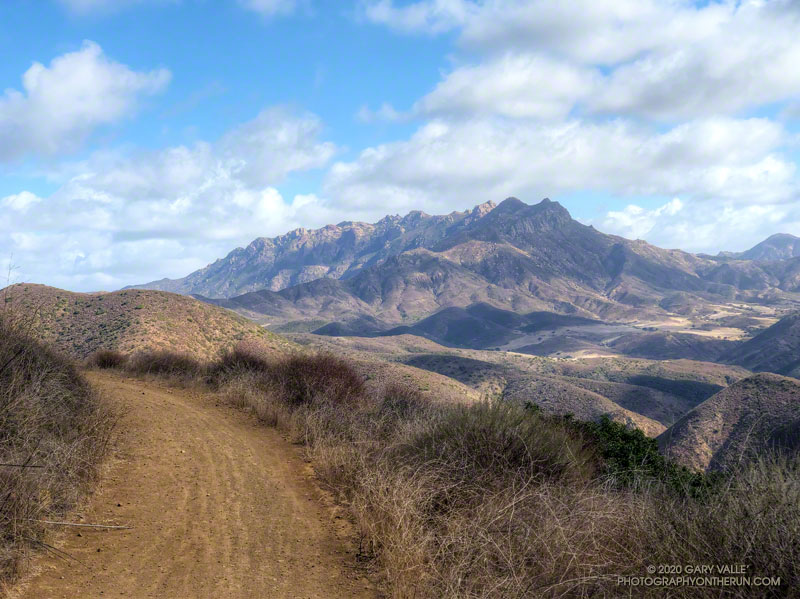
[(483, 209)]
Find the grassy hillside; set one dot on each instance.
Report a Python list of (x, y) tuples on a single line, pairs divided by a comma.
[(743, 420), (133, 320)]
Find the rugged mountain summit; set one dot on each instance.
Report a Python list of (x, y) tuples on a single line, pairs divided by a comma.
[(514, 256), (334, 251)]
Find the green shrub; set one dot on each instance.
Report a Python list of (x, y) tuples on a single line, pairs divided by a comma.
[(631, 458)]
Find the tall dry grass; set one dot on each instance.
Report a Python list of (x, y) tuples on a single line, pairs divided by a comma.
[(493, 500), (53, 434)]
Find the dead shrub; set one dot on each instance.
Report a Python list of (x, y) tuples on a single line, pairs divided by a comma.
[(52, 423), (307, 378), (106, 358), (166, 363), (245, 357)]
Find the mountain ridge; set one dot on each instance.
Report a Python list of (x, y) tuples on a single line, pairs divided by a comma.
[(303, 255), (514, 256)]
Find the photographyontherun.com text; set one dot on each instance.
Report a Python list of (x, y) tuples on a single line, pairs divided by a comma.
[(698, 575)]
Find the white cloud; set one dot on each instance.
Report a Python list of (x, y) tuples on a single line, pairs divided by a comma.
[(664, 59), (119, 218), (270, 8), (703, 226), (20, 202), (264, 140), (589, 31), (747, 60), (63, 103), (515, 85), (636, 222), (481, 159)]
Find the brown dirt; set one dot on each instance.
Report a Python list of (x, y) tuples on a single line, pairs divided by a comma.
[(221, 507)]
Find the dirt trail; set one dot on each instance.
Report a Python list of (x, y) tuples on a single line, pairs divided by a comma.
[(221, 506)]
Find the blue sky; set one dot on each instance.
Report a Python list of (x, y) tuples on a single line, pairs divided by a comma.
[(146, 138)]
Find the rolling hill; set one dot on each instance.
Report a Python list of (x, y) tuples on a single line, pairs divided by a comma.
[(650, 394), (741, 421), (776, 349), (133, 320)]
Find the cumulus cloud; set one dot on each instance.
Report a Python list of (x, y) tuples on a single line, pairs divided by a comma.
[(664, 59), (63, 103), (746, 60), (688, 225), (121, 218), (512, 85), (481, 159)]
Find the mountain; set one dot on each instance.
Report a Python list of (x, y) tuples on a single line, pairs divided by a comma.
[(133, 320), (301, 256), (741, 421), (513, 256), (776, 349), (780, 246)]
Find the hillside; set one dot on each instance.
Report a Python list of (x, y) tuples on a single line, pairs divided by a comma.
[(514, 256), (746, 418), (478, 326), (650, 394), (671, 346), (133, 320), (776, 349)]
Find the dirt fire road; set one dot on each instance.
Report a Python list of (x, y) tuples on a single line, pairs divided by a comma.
[(221, 508)]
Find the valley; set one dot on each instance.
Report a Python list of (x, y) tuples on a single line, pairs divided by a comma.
[(357, 341)]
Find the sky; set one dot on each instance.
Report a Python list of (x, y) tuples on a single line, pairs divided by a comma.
[(142, 139)]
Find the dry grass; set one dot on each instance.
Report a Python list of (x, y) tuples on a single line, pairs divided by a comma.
[(132, 321), (52, 423), (754, 520), (494, 500)]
